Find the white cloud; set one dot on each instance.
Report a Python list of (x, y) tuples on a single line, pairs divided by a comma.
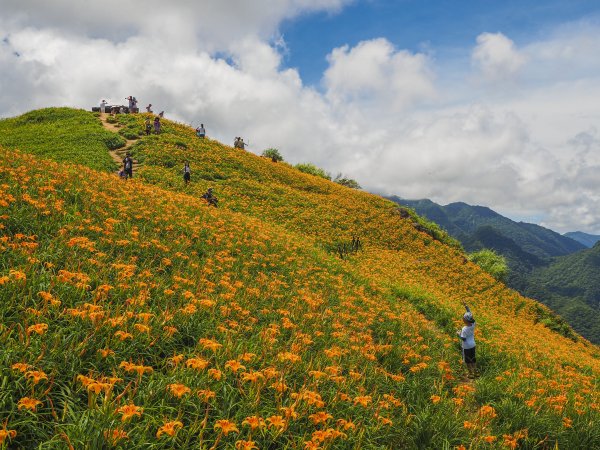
[(496, 57), (211, 24), (373, 72), (524, 142)]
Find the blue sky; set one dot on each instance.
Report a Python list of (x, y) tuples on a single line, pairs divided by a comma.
[(493, 103), (446, 27)]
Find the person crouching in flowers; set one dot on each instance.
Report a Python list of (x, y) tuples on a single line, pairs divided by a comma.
[(467, 337)]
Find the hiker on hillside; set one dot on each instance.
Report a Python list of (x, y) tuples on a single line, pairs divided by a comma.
[(128, 166), (149, 108), (239, 143), (134, 104), (210, 197), (161, 114), (467, 337), (187, 173), (148, 126), (103, 104), (200, 131), (156, 125), (130, 103)]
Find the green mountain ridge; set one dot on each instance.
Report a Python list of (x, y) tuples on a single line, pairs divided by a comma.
[(585, 238), (554, 269)]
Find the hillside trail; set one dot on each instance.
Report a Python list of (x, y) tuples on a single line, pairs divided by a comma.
[(119, 154)]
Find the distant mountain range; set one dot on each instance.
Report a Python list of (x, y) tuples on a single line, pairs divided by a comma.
[(586, 239), (561, 271)]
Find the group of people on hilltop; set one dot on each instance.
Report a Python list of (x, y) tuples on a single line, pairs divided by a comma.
[(239, 143), (148, 125), (132, 104), (132, 107)]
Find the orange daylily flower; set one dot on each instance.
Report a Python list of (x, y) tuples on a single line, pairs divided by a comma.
[(129, 411), (226, 426), (254, 422), (245, 445), (178, 390), (39, 328), (234, 365), (277, 422), (169, 428), (29, 403)]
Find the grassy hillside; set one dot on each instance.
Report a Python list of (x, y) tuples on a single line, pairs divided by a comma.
[(571, 284), (64, 134), (135, 316)]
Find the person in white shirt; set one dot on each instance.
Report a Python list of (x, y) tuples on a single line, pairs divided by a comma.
[(467, 337), (200, 131), (103, 104), (186, 172)]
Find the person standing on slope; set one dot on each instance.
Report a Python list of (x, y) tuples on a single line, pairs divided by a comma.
[(187, 173), (467, 337)]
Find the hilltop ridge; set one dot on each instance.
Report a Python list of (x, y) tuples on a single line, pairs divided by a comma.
[(245, 318)]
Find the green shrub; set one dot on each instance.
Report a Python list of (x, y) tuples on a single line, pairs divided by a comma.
[(491, 262), (272, 153), (345, 181), (313, 170)]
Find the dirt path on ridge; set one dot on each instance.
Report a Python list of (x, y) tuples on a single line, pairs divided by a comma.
[(118, 154)]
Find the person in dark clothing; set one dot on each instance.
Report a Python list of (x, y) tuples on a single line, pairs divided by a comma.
[(187, 173), (210, 197), (128, 166), (156, 125), (148, 127)]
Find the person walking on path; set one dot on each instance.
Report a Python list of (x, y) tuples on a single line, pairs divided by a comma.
[(187, 173), (156, 125), (103, 104), (467, 337), (128, 166), (200, 131)]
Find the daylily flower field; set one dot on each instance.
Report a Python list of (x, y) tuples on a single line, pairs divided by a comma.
[(136, 316)]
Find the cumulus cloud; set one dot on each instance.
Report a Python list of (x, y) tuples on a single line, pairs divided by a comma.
[(497, 57), (215, 23), (380, 115), (375, 72)]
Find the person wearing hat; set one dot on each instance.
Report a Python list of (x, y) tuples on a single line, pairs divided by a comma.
[(467, 337)]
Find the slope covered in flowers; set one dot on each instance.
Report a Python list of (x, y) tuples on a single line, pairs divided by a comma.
[(134, 315)]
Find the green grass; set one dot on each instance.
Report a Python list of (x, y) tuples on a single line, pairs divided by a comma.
[(62, 134)]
